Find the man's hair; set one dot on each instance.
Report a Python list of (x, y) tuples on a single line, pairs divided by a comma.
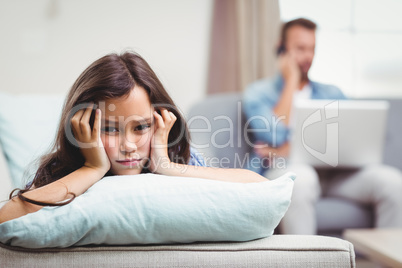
[(305, 23)]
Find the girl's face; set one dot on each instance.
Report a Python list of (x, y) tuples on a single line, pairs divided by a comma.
[(126, 131)]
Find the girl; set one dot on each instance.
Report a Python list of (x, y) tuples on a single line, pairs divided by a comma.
[(117, 120)]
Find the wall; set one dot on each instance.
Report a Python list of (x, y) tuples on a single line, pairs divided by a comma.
[(46, 44)]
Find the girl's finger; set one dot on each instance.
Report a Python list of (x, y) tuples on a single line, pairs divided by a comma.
[(84, 123), (166, 115), (159, 120), (172, 116), (87, 113), (75, 121), (171, 120), (97, 125)]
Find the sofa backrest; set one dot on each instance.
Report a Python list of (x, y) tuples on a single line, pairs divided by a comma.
[(217, 130), (5, 179), (393, 142)]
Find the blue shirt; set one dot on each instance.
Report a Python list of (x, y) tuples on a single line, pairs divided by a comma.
[(196, 158), (261, 97)]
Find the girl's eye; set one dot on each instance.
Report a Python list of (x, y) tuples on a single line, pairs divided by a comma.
[(142, 127), (110, 130)]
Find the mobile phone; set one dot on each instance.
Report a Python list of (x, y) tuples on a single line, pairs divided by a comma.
[(281, 49)]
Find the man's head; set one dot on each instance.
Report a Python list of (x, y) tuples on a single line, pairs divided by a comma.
[(298, 39)]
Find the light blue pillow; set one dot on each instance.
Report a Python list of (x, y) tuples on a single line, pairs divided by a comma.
[(150, 208), (28, 124)]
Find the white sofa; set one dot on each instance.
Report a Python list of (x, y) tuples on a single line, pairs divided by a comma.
[(274, 251)]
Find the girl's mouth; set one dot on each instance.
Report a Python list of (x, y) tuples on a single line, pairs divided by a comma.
[(129, 162)]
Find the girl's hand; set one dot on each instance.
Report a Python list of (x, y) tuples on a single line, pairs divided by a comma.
[(159, 159), (89, 140)]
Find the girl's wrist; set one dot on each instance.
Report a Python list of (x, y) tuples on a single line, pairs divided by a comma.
[(100, 171), (172, 169)]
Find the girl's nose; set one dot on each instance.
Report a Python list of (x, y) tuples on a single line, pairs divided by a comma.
[(127, 144)]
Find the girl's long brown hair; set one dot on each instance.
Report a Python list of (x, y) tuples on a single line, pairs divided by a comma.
[(111, 76)]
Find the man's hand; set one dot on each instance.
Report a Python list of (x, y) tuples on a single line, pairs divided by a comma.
[(292, 78), (289, 69)]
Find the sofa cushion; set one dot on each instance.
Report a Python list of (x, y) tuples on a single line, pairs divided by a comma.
[(354, 215), (150, 208), (275, 251)]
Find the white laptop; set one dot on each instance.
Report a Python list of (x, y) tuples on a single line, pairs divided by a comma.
[(338, 133)]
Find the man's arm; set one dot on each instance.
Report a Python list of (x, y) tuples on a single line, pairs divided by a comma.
[(258, 103), (265, 110), (292, 82), (276, 110)]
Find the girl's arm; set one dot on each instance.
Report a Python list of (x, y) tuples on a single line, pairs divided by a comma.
[(77, 182), (221, 174), (160, 162)]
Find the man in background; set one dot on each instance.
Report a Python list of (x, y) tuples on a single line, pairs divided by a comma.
[(272, 99)]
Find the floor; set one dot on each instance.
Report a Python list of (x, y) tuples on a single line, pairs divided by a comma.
[(362, 262)]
